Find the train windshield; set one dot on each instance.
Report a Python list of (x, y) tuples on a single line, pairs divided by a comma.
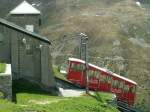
[(77, 67)]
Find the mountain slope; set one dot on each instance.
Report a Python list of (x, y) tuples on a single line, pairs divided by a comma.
[(118, 34)]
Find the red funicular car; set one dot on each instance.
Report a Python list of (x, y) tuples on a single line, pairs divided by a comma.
[(101, 79)]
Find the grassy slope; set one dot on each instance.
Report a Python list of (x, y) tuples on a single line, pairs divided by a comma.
[(2, 67), (30, 98), (43, 103)]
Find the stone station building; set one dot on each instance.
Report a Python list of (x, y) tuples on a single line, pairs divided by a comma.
[(28, 53)]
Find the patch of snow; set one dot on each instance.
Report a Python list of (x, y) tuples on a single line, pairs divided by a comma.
[(116, 43), (119, 58), (8, 69), (100, 13), (139, 42), (45, 102), (84, 14), (134, 27), (63, 72), (71, 92), (33, 4), (38, 4), (146, 71), (138, 3)]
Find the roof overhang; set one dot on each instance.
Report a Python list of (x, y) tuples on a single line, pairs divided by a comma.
[(20, 29)]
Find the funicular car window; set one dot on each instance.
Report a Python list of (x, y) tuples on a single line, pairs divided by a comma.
[(132, 89), (90, 73), (72, 66), (77, 67), (126, 88), (121, 85), (109, 79), (102, 78), (115, 84), (96, 74), (81, 67)]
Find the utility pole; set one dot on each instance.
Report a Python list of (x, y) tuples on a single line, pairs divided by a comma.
[(84, 42), (81, 39)]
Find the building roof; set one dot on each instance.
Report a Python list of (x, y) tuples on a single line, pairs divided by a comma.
[(103, 69), (25, 8), (20, 29)]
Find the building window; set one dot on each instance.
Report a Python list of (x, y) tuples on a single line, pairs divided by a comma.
[(30, 28), (40, 22), (1, 38), (29, 49), (28, 45)]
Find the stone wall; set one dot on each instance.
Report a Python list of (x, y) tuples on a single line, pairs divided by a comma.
[(6, 86)]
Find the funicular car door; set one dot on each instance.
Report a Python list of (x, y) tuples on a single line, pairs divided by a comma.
[(76, 73), (131, 94)]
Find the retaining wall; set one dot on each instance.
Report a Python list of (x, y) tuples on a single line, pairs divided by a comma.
[(6, 84)]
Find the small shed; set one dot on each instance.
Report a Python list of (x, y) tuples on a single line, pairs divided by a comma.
[(27, 16), (27, 52)]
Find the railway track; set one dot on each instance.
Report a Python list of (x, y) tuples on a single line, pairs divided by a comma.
[(66, 84), (123, 107)]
